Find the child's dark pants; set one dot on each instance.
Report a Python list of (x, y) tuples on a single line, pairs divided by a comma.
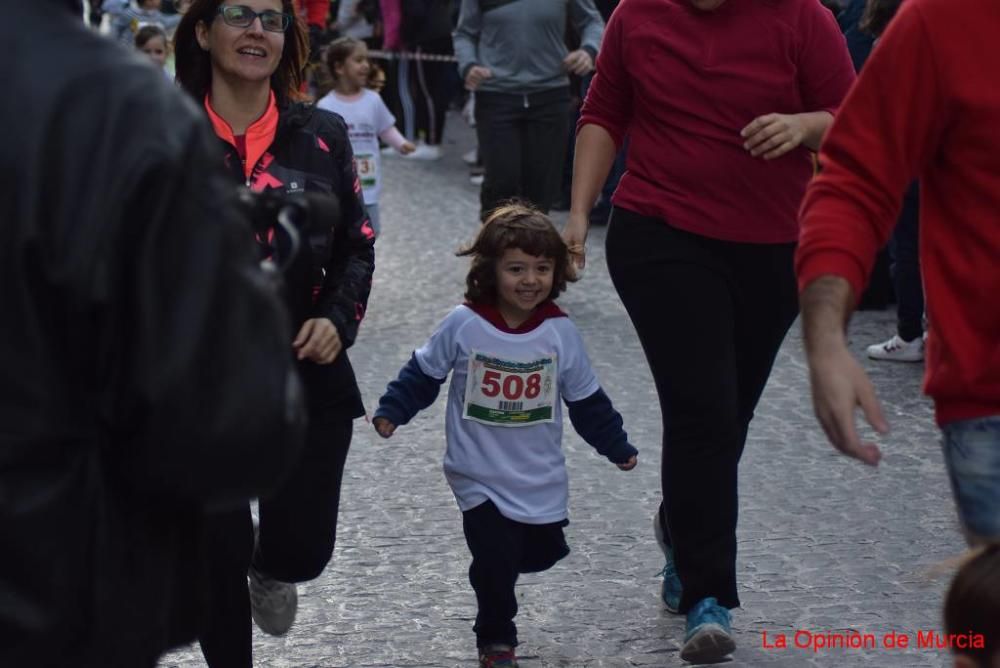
[(501, 550)]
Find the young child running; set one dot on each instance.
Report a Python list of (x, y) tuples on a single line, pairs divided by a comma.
[(367, 117), (152, 41), (513, 355), (972, 610)]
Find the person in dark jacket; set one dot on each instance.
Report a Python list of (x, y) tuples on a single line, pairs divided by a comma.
[(142, 351), (430, 84), (243, 63)]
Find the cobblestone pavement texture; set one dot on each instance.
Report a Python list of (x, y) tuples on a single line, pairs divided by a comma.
[(825, 545)]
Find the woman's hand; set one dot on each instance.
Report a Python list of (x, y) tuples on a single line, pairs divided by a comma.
[(773, 135), (407, 148), (318, 341), (476, 75), (575, 236), (384, 428), (578, 62)]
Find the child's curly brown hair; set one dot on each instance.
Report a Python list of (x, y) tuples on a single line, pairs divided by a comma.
[(972, 605), (514, 225)]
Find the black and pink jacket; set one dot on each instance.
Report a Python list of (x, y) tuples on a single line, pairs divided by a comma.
[(301, 149)]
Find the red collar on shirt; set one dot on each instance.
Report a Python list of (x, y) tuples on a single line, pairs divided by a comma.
[(542, 312), (258, 137)]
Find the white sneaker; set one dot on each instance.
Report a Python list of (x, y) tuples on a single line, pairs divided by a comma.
[(898, 350), (477, 179), (471, 157), (273, 603), (426, 152)]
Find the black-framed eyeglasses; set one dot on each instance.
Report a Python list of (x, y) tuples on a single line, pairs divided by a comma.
[(241, 16)]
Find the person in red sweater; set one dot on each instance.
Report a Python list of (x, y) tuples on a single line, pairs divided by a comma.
[(316, 14), (723, 102), (926, 105)]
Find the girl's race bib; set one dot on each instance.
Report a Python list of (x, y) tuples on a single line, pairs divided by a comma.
[(365, 164), (505, 393)]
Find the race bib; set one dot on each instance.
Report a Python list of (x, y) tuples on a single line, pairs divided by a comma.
[(367, 172), (503, 393)]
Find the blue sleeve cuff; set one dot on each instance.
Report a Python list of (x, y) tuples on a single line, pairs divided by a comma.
[(412, 391), (600, 425)]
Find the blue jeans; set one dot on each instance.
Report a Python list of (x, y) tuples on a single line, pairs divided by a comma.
[(972, 453)]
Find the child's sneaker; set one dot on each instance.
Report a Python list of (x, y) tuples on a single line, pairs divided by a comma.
[(898, 350), (671, 593), (709, 636), (497, 656)]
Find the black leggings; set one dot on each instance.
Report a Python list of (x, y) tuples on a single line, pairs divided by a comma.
[(298, 529), (522, 141), (711, 316)]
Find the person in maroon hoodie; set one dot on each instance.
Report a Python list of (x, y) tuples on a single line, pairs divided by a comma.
[(722, 102), (926, 105)]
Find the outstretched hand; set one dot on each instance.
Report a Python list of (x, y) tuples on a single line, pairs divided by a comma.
[(630, 464), (384, 428), (839, 385)]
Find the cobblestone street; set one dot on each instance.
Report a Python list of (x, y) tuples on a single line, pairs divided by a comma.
[(825, 545)]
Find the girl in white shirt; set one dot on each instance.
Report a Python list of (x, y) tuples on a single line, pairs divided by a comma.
[(367, 117), (514, 358)]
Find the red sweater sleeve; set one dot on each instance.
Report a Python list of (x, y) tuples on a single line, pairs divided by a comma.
[(609, 98), (884, 132)]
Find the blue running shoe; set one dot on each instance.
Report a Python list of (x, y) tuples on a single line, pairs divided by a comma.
[(671, 593), (709, 636)]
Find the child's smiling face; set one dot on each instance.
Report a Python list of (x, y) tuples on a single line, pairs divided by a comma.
[(523, 282), (353, 72)]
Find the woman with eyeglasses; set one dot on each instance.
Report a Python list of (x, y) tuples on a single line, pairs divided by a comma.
[(243, 61)]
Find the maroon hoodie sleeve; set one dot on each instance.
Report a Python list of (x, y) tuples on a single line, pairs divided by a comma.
[(609, 98)]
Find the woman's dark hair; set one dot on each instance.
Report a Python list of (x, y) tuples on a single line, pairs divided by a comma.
[(877, 15), (194, 65), (148, 32), (973, 604), (339, 51), (514, 225)]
